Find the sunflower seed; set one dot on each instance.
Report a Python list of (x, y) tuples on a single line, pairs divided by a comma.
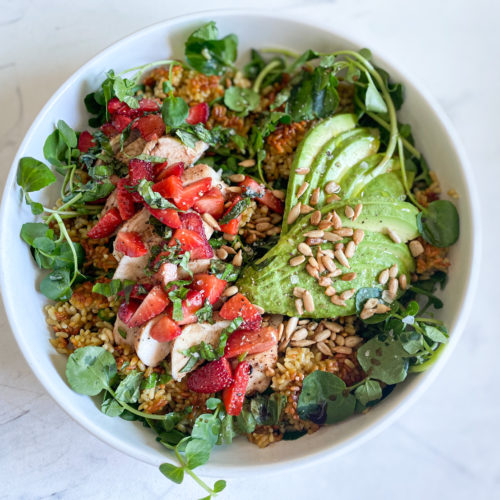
[(416, 248), (221, 253), (324, 349), (357, 211), (350, 249), (303, 343), (312, 271), (237, 178), (328, 263), (302, 171), (229, 250), (230, 291), (259, 309), (238, 259), (298, 292), (358, 236), (313, 262), (320, 336), (393, 271), (300, 334), (306, 209), (304, 249), (344, 231), (332, 198), (291, 325), (340, 256), (263, 226), (383, 277), (324, 281), (316, 233), (299, 305), (403, 282), (279, 194), (349, 212), (234, 189), (393, 286), (247, 163), (314, 241), (330, 291), (332, 187), (347, 294), (324, 224), (316, 218), (348, 276), (302, 189), (314, 197), (296, 261), (308, 301), (331, 237), (342, 350), (333, 327), (294, 213), (337, 221), (335, 299), (353, 341)]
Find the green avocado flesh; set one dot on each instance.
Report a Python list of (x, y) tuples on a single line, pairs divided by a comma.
[(269, 282), (337, 150)]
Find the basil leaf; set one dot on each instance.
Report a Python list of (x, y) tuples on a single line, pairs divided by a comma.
[(439, 223), (108, 289), (205, 313), (33, 175), (212, 403), (152, 198), (172, 472), (90, 369), (235, 211)]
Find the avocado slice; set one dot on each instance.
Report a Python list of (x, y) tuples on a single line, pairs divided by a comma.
[(388, 185), (309, 148), (269, 282)]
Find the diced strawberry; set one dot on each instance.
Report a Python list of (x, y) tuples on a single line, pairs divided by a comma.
[(198, 113), (165, 329), (211, 377), (251, 186), (85, 141), (234, 395), (192, 193), (130, 244), (231, 227), (121, 122), (169, 216), (108, 130), (239, 306), (106, 225), (164, 170), (275, 204), (127, 310), (166, 273), (193, 301), (115, 105), (125, 200), (192, 221), (151, 127), (251, 342), (212, 203), (138, 291), (169, 187), (154, 304), (148, 105), (138, 170), (192, 242), (211, 286)]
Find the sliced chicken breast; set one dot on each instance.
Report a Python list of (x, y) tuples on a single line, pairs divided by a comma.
[(148, 350), (260, 363), (135, 148), (174, 151), (111, 202), (123, 334), (192, 335), (131, 268)]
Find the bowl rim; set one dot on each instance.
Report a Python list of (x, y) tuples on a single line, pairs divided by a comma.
[(384, 420)]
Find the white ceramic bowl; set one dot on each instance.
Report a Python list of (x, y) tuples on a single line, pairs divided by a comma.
[(20, 277)]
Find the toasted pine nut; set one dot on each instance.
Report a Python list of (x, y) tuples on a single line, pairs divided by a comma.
[(230, 291)]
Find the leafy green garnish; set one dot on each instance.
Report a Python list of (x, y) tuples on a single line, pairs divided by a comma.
[(205, 313), (439, 223), (236, 210), (152, 198), (174, 111), (241, 100), (267, 409)]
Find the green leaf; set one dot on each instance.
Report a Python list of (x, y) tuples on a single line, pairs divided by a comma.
[(363, 294), (412, 342), (110, 406), (373, 100), (435, 334), (197, 452), (368, 391), (108, 289), (175, 474), (152, 198), (57, 285), (205, 313), (439, 223), (212, 403), (267, 409), (207, 427), (227, 429), (219, 485), (63, 256), (241, 100), (67, 133), (384, 360), (33, 175), (293, 435), (245, 422), (174, 111), (236, 210), (187, 138), (224, 270), (129, 388), (33, 230), (90, 369), (55, 149)]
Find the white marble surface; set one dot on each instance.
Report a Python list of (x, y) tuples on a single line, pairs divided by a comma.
[(447, 445)]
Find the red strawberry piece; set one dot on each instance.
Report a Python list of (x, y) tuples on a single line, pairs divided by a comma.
[(192, 242), (191, 221), (166, 273), (130, 244), (251, 342), (165, 329), (211, 202), (151, 127), (125, 200), (106, 225), (138, 170), (198, 113), (85, 141), (169, 216), (121, 122), (109, 130), (114, 106), (275, 204), (148, 105), (163, 170), (169, 187), (192, 193), (239, 306), (231, 227), (211, 377), (251, 186), (154, 303), (193, 301), (127, 310), (137, 291), (211, 286), (234, 395)]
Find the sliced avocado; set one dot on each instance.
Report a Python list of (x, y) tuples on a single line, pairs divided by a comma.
[(270, 281), (354, 180), (309, 148), (388, 185)]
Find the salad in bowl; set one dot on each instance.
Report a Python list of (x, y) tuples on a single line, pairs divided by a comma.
[(240, 251)]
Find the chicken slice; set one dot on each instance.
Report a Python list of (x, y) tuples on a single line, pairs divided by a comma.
[(111, 202), (131, 268), (260, 363), (123, 334), (135, 148), (192, 335), (174, 151), (150, 351)]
